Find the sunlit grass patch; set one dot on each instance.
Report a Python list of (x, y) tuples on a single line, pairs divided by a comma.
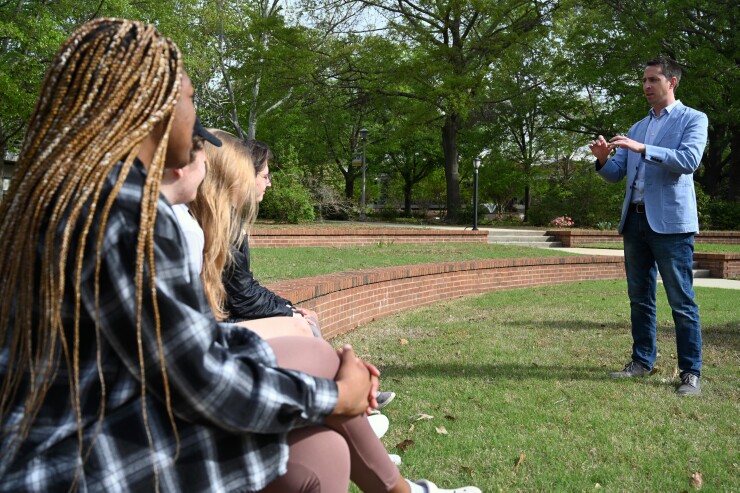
[(518, 381)]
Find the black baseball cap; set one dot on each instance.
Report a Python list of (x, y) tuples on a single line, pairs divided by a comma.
[(200, 131)]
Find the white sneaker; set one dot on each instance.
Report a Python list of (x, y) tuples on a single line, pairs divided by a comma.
[(396, 459), (379, 423), (432, 488)]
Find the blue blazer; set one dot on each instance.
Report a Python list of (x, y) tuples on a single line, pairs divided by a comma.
[(670, 199)]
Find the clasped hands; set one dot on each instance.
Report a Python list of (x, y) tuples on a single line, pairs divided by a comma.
[(357, 384)]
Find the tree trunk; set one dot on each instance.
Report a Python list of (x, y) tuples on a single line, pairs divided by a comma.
[(349, 185), (407, 198), (3, 150), (252, 124), (733, 189), (233, 115), (711, 177), (452, 175)]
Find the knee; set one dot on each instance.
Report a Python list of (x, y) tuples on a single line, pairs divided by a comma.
[(332, 473), (319, 462), (337, 450), (307, 354), (302, 327)]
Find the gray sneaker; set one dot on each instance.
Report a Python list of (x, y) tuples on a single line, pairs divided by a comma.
[(631, 370), (689, 385), (384, 398)]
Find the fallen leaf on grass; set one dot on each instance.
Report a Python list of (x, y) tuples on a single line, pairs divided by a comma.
[(441, 430), (422, 416), (521, 459), (696, 480), (405, 444), (403, 342)]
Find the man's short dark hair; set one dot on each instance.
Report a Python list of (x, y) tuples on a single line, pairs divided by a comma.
[(668, 67)]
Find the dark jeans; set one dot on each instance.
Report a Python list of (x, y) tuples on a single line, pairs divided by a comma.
[(645, 253)]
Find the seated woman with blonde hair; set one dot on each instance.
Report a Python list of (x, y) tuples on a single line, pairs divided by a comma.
[(226, 208)]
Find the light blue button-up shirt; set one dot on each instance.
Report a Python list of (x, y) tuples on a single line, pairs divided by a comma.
[(654, 126)]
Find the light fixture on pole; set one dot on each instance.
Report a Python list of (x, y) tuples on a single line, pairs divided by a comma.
[(363, 135), (476, 165)]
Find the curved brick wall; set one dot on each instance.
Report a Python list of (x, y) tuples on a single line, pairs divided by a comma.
[(346, 300), (275, 237), (576, 237)]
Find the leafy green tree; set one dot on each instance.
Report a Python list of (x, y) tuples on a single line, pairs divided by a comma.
[(340, 105), (452, 45), (31, 32), (413, 155), (605, 43), (250, 62)]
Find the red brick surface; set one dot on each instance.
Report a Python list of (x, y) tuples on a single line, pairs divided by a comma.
[(720, 265), (360, 237), (577, 237), (346, 300)]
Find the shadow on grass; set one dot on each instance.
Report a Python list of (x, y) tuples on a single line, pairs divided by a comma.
[(727, 335), (569, 325), (493, 371), (718, 335)]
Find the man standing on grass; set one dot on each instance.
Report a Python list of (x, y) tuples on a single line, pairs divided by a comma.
[(659, 218)]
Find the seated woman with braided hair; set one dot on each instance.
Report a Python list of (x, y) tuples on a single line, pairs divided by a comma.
[(115, 374)]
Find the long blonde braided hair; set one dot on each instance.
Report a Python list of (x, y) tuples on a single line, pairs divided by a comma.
[(111, 84)]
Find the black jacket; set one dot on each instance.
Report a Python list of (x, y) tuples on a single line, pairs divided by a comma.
[(246, 299)]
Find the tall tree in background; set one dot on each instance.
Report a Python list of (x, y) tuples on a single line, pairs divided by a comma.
[(605, 45), (31, 32), (257, 61), (411, 148), (453, 44), (341, 102)]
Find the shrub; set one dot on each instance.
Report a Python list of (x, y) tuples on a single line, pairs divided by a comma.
[(703, 202), (384, 214), (724, 214), (288, 202), (585, 197), (328, 202)]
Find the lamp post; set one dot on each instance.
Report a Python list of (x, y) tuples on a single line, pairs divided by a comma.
[(476, 165), (363, 136)]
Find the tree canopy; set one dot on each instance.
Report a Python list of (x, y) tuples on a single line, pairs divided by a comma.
[(523, 83)]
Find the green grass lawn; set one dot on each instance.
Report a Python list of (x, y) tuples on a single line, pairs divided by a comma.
[(698, 247), (516, 382), (277, 264)]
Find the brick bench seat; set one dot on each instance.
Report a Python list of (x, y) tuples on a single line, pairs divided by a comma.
[(347, 300)]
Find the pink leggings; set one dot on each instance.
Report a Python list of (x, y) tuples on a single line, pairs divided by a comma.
[(325, 458)]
